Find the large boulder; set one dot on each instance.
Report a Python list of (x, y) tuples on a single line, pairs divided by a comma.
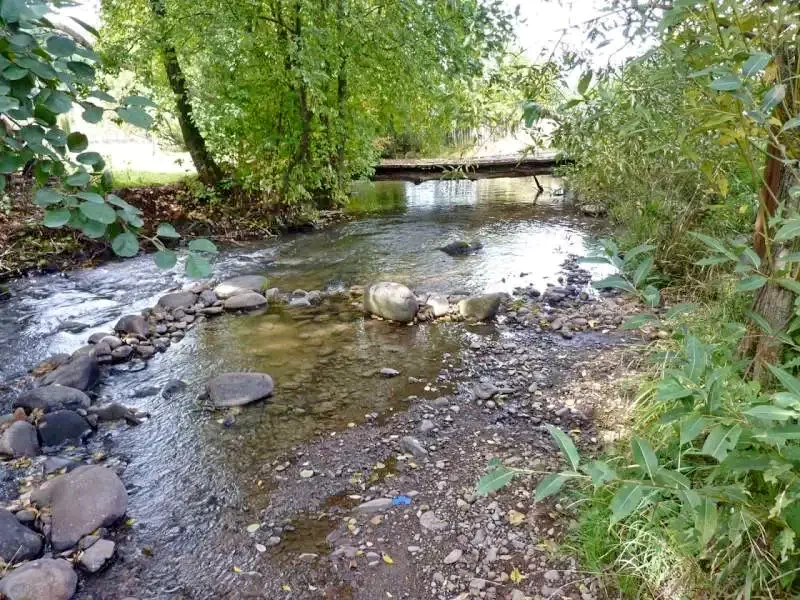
[(392, 301), (17, 542), (52, 397), (63, 426), (240, 285), (177, 300), (238, 389), (480, 308), (19, 440), (461, 247), (43, 579), (245, 301), (80, 372), (135, 324), (81, 501)]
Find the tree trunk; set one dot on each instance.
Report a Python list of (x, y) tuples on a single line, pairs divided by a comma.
[(207, 169), (773, 302)]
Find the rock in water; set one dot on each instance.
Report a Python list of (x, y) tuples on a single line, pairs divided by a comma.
[(461, 247), (17, 542), (439, 305), (52, 397), (480, 308), (391, 301), (80, 372), (132, 324), (63, 426), (240, 285), (81, 501), (97, 555), (593, 210), (238, 389), (245, 301), (43, 579), (19, 440), (177, 300)]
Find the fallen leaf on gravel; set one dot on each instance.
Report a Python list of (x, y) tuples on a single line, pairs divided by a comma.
[(516, 577), (236, 569), (515, 517), (387, 559), (286, 587), (253, 527)]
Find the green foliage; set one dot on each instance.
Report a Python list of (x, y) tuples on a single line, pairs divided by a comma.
[(295, 98), (45, 73)]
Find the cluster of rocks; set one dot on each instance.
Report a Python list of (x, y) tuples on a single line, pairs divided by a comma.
[(396, 302), (67, 515)]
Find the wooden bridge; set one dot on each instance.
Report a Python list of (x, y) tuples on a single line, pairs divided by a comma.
[(468, 168)]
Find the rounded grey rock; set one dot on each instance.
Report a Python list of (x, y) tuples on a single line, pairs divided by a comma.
[(52, 397), (238, 389), (240, 285), (245, 301), (19, 440), (43, 579), (17, 542), (392, 301)]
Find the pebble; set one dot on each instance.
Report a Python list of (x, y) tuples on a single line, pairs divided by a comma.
[(306, 473), (453, 557)]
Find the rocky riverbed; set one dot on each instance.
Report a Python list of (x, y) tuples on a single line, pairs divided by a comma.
[(389, 506)]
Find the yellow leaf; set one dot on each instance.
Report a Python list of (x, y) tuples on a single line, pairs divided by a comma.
[(722, 184), (286, 587), (387, 559), (771, 72), (516, 577), (515, 517), (236, 569)]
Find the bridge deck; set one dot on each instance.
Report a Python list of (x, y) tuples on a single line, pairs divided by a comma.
[(468, 168)]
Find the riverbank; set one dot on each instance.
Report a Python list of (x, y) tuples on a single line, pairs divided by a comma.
[(27, 246)]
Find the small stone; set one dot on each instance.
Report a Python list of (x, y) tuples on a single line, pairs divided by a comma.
[(453, 557), (97, 555), (273, 541), (306, 473), (387, 372), (373, 506), (413, 446), (552, 575)]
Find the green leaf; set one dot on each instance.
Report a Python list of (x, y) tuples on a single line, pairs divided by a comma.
[(197, 267), (583, 84), (494, 480), (92, 113), (791, 124), (726, 83), (77, 142), (600, 472), (137, 101), (671, 389), (101, 95), (46, 197), (691, 427), (13, 73), (680, 309), (720, 441), (768, 412), (136, 117), (166, 230), (789, 381), (58, 102), (644, 456), (125, 244), (705, 520), (165, 259), (91, 197), (790, 284), (566, 445), (549, 485), (131, 218), (634, 252), (101, 213), (202, 245), (82, 70), (756, 63), (93, 229), (616, 282), (89, 158), (673, 479), (714, 244), (60, 46), (10, 10), (56, 218), (625, 501), (120, 203), (652, 296), (8, 103), (749, 255), (773, 97), (639, 321), (788, 231), (712, 260), (751, 283), (78, 179), (642, 271), (696, 358)]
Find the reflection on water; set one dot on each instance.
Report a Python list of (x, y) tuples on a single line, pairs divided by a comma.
[(195, 484)]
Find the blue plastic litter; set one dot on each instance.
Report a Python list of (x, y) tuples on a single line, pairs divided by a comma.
[(401, 501)]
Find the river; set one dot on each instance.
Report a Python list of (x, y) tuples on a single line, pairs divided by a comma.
[(192, 482)]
